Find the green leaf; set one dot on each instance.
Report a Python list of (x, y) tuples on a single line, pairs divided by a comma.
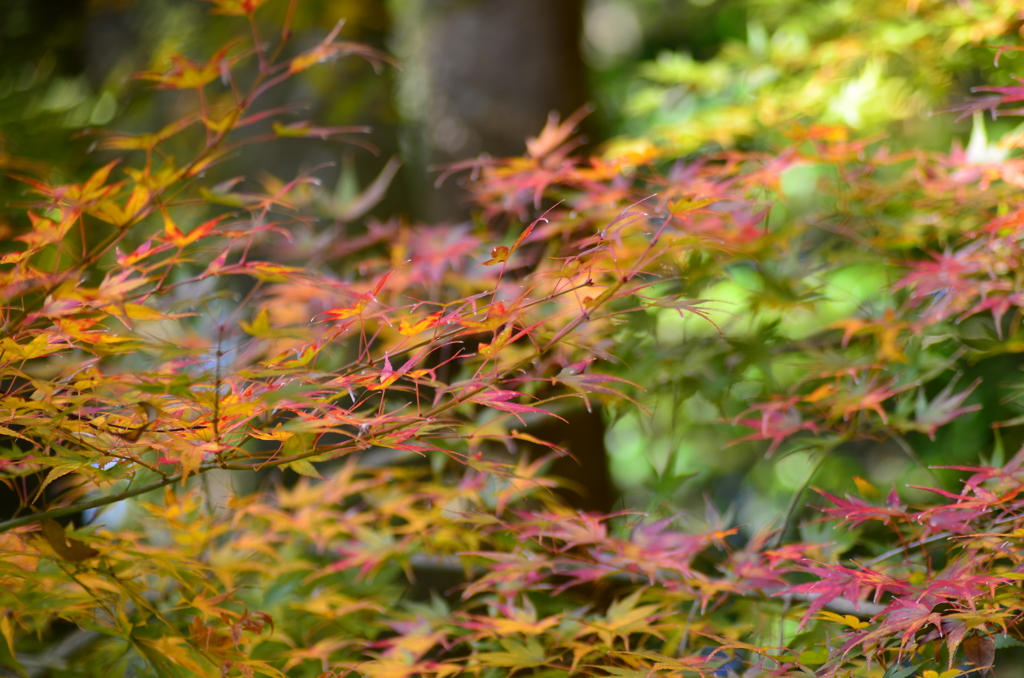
[(818, 655), (55, 473), (902, 671), (260, 326), (304, 468), (517, 655)]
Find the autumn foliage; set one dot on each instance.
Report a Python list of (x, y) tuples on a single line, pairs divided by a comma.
[(168, 331)]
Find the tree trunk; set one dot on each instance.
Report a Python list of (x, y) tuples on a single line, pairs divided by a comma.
[(481, 77)]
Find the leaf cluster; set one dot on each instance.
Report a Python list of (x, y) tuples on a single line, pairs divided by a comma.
[(164, 337)]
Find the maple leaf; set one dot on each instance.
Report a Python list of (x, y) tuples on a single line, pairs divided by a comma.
[(191, 458), (887, 330), (694, 306), (216, 266), (980, 650), (516, 571), (998, 305), (575, 377), (499, 400), (942, 409), (67, 548), (45, 232), (388, 375), (501, 339), (359, 306), (496, 316), (415, 637), (846, 620), (779, 421), (1006, 93), (329, 50), (500, 254), (951, 282), (369, 552), (187, 74), (573, 530), (835, 581), (960, 582), (654, 549), (320, 651), (42, 344), (517, 655), (906, 617), (511, 620), (868, 395), (145, 142), (856, 511), (552, 139), (624, 617), (407, 329), (180, 240), (142, 252), (976, 105)]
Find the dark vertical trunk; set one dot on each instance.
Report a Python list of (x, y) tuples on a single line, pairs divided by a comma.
[(483, 75)]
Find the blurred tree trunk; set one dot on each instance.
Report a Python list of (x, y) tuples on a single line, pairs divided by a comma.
[(481, 77)]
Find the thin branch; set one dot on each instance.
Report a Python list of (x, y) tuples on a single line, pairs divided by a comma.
[(72, 509), (795, 500), (905, 446)]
